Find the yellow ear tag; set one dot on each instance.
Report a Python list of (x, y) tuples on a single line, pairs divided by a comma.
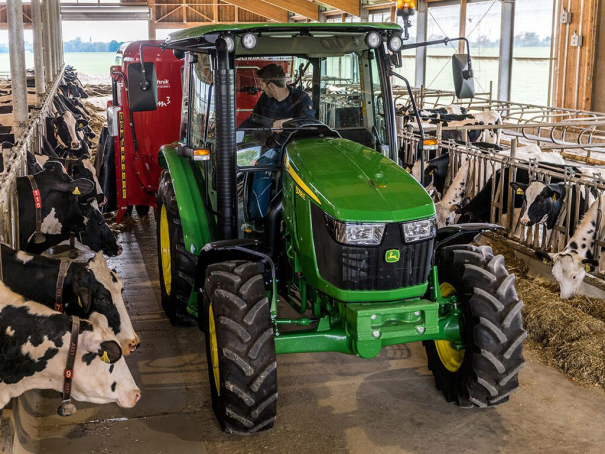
[(431, 172), (520, 191), (105, 358), (546, 262), (76, 191), (79, 302), (587, 268), (407, 169), (554, 197)]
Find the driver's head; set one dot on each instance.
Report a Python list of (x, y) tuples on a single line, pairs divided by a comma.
[(272, 79)]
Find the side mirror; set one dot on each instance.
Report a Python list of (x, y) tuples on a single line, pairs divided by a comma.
[(463, 76), (142, 91)]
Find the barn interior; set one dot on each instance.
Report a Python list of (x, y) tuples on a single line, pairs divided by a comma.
[(430, 244)]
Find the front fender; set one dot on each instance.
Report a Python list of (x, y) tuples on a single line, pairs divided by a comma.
[(195, 220), (462, 233)]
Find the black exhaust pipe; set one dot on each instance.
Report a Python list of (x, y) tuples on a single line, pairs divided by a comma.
[(225, 144)]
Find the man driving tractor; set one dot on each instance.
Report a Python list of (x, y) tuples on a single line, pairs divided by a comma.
[(278, 104)]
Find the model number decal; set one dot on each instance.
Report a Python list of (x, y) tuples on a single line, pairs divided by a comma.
[(300, 193)]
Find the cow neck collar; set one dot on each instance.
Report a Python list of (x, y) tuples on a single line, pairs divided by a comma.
[(38, 207), (63, 269), (67, 408)]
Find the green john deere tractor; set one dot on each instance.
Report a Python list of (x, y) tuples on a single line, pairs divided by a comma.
[(319, 212)]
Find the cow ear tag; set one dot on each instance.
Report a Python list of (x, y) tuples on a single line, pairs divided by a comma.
[(546, 262), (79, 302), (431, 172), (554, 197), (520, 191), (105, 358), (77, 191), (587, 268), (407, 169)]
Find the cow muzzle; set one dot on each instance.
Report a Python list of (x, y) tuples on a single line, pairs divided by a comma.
[(130, 398), (526, 221), (130, 345)]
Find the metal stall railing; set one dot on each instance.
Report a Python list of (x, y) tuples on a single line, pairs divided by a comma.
[(15, 166)]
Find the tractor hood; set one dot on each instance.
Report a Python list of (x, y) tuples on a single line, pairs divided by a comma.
[(352, 182)]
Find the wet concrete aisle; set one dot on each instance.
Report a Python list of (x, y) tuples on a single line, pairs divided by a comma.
[(329, 403)]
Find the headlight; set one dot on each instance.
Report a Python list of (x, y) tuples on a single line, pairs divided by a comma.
[(249, 41), (419, 230), (355, 234), (230, 43), (395, 43), (373, 40)]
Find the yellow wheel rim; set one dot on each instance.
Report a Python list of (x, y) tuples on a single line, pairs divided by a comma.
[(214, 350), (165, 250), (449, 356)]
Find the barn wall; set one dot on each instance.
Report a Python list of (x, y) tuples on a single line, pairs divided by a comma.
[(575, 65), (598, 92)]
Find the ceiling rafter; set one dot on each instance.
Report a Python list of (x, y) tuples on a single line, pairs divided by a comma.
[(303, 8), (262, 9), (348, 6)]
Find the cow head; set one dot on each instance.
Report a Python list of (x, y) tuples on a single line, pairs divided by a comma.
[(105, 296), (97, 235), (101, 374), (569, 269), (446, 213), (65, 126), (543, 202)]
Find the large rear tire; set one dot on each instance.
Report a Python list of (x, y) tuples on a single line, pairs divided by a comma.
[(177, 266), (240, 347), (486, 372)]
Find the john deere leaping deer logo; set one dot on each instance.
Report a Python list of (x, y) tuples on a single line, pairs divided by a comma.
[(392, 256)]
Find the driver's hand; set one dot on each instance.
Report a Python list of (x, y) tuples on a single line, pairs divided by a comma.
[(278, 124)]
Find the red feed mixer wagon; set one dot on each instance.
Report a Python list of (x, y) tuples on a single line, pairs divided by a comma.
[(129, 164)]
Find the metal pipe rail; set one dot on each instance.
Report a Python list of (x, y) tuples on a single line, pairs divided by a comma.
[(15, 165)]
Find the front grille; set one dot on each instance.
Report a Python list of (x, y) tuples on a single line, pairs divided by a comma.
[(364, 267)]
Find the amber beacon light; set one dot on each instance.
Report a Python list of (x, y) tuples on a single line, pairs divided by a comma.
[(406, 7)]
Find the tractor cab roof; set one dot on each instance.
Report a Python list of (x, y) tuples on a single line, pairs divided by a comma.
[(205, 35)]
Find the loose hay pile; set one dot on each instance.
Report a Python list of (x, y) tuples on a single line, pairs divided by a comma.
[(96, 105), (568, 334)]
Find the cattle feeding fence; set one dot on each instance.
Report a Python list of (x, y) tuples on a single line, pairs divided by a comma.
[(582, 187), (15, 164)]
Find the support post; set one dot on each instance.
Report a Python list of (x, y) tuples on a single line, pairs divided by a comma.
[(151, 24), (48, 53), (462, 44), (49, 26), (421, 35), (506, 50), (38, 51), (57, 34), (60, 29), (17, 61)]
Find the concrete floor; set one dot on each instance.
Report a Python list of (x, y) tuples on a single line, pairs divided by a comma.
[(329, 403)]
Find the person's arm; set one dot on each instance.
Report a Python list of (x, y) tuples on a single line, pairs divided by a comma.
[(256, 118), (305, 107)]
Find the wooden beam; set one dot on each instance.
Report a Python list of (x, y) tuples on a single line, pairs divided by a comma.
[(151, 27), (301, 7), (462, 44), (215, 11), (262, 9), (348, 6)]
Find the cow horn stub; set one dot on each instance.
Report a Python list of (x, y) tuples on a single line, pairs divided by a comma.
[(39, 238)]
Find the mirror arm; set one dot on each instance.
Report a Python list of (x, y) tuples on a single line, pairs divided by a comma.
[(468, 74), (417, 115)]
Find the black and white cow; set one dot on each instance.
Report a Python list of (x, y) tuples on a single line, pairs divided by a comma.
[(34, 345), (88, 287), (75, 167), (64, 132), (569, 267), (58, 198)]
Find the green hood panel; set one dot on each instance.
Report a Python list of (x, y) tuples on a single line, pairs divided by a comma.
[(355, 183)]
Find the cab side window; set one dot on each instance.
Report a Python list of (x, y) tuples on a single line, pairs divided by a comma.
[(202, 103)]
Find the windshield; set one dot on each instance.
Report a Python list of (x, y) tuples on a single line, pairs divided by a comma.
[(343, 92)]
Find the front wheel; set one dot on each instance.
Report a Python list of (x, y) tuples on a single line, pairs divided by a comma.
[(486, 372), (240, 347)]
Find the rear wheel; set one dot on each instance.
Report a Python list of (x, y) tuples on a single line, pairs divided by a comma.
[(240, 347), (177, 266), (486, 372)]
